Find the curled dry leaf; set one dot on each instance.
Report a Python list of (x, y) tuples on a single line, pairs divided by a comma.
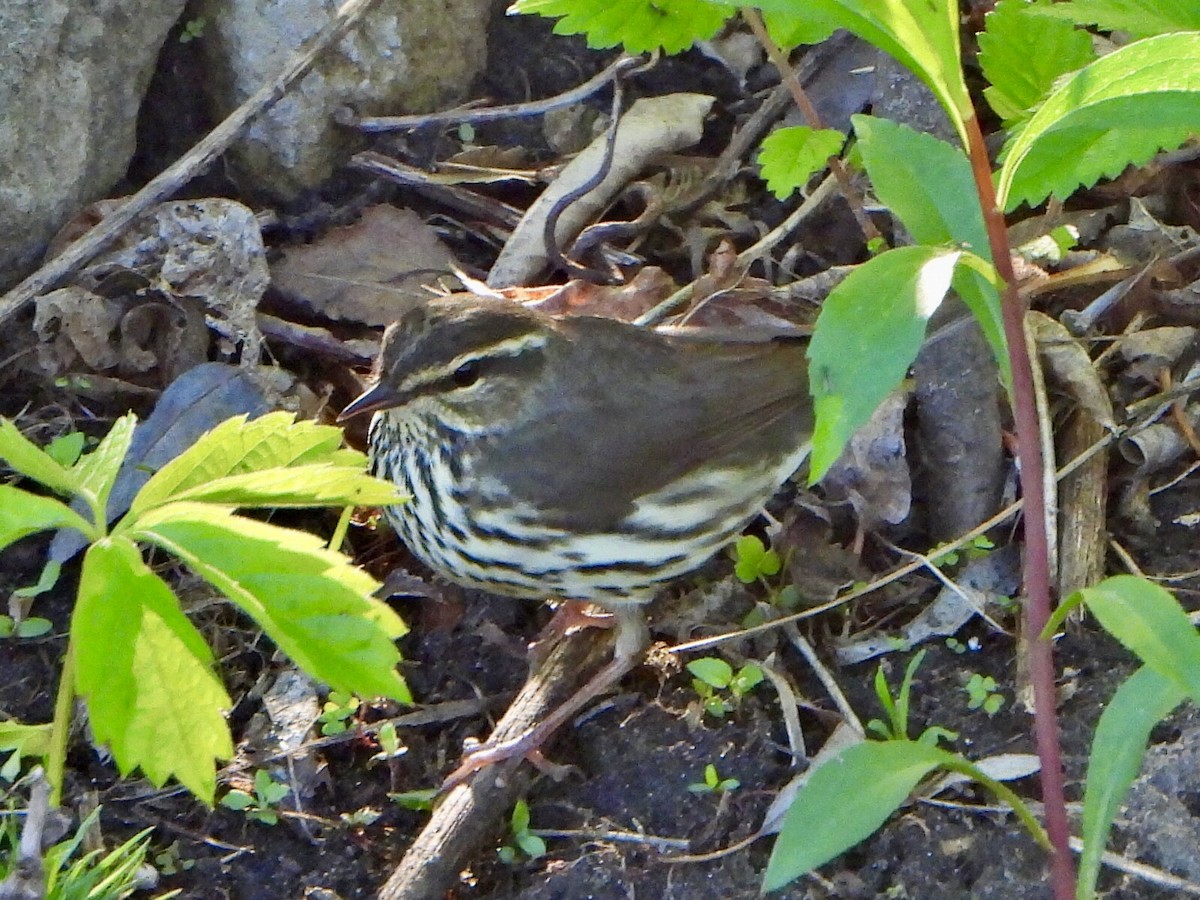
[(651, 126)]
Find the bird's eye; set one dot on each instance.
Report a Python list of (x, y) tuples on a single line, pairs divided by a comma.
[(466, 374)]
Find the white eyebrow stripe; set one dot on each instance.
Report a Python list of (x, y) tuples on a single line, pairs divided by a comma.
[(514, 346), (509, 347)]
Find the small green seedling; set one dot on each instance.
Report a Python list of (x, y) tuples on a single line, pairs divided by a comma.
[(362, 818), (32, 627), (982, 694), (897, 708), (720, 688), (524, 842), (193, 29), (98, 874), (418, 801), (259, 806), (389, 743), (713, 783), (977, 549), (170, 860), (337, 712), (753, 561)]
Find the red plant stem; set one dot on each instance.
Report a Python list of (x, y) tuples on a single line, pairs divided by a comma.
[(1037, 554)]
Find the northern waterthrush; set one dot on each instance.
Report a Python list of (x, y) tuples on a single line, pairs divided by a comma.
[(578, 457)]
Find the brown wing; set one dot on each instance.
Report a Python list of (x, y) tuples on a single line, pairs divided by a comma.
[(669, 406)]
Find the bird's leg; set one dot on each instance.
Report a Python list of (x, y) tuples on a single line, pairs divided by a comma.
[(632, 639)]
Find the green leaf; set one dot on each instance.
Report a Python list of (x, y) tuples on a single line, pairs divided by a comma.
[(65, 450), (1118, 111), (747, 678), (824, 822), (146, 672), (238, 446), (1023, 55), (1140, 18), (26, 458), (791, 156), (712, 671), (928, 185), (46, 580), (97, 471), (922, 36), (869, 331), (22, 740), (237, 800), (1140, 703), (638, 25), (310, 600), (23, 514), (520, 817), (534, 846), (297, 486), (793, 27), (1151, 623)]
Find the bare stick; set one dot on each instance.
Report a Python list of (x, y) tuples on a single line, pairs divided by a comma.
[(470, 811)]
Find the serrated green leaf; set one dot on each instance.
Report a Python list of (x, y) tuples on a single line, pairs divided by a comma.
[(24, 457), (637, 25), (97, 471), (1022, 56), (866, 337), (928, 185), (23, 514), (311, 601), (1140, 703), (1140, 18), (923, 37), (1151, 623), (238, 446), (1118, 111), (791, 156), (146, 672), (821, 824), (296, 487)]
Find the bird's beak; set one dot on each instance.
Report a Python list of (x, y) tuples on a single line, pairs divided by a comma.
[(373, 399)]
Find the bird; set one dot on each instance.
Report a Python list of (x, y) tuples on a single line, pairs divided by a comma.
[(578, 457)]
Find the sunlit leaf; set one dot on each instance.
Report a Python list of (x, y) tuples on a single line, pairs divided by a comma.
[(316, 606), (23, 514), (146, 672)]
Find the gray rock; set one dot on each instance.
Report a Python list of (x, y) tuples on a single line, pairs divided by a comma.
[(71, 78), (410, 56)]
